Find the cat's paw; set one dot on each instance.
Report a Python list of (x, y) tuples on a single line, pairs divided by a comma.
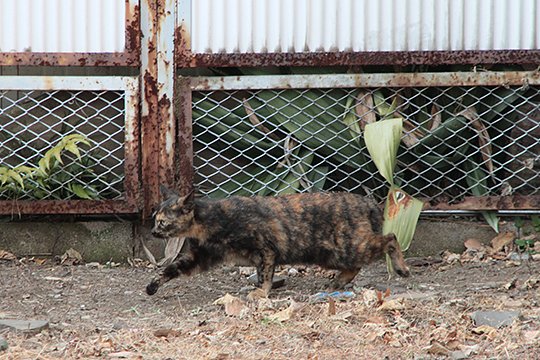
[(152, 288)]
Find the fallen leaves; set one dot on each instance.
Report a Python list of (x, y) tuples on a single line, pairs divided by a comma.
[(500, 241), (288, 313), (7, 256), (233, 305)]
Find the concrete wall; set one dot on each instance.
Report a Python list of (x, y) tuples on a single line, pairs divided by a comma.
[(103, 241)]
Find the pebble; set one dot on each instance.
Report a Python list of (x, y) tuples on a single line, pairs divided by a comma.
[(495, 319), (24, 325), (3, 344)]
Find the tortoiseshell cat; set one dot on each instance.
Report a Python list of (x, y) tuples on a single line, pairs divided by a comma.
[(339, 231)]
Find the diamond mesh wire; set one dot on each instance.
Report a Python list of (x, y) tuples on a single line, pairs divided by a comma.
[(34, 122), (458, 141)]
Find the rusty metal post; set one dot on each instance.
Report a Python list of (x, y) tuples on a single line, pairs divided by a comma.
[(166, 70), (182, 108), (158, 123), (149, 107)]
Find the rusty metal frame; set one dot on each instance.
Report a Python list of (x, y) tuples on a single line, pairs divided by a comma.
[(159, 134), (130, 203), (129, 57), (513, 203), (185, 58)]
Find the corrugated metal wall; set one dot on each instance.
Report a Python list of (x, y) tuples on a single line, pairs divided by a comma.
[(62, 25), (229, 26)]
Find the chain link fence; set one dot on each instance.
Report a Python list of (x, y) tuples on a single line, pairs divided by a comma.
[(34, 124), (458, 140)]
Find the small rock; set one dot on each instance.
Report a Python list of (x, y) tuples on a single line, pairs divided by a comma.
[(277, 281), (458, 355), (495, 319), (246, 270), (514, 256), (121, 355), (24, 325), (3, 344), (119, 325), (292, 272), (246, 289)]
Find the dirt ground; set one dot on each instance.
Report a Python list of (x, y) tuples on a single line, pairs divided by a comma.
[(103, 312)]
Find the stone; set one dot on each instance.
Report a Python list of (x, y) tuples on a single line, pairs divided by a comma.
[(277, 281), (3, 344), (24, 325), (495, 319)]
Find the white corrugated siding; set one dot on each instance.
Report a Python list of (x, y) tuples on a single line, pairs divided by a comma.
[(62, 25), (230, 26)]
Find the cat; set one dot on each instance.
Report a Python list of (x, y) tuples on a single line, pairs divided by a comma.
[(340, 231)]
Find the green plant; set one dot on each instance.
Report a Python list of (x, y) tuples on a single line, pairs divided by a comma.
[(401, 210), (53, 177)]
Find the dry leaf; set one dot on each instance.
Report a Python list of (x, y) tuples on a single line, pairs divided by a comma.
[(450, 257), (365, 109), (122, 355), (484, 329), (233, 305), (331, 306), (252, 116), (390, 305), (484, 140), (436, 118), (437, 349), (71, 257), (6, 255), (369, 297), (288, 313), (342, 316), (166, 332), (531, 336), (473, 244), (501, 240), (376, 319)]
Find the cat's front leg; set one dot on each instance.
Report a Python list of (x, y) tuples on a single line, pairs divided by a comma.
[(184, 265)]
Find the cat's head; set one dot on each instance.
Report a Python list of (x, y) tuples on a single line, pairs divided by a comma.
[(175, 214)]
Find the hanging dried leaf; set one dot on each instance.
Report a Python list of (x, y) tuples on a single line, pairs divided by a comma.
[(365, 108), (252, 116), (436, 118), (411, 134), (484, 140)]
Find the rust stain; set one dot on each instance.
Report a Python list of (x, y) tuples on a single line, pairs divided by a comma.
[(472, 203), (167, 130), (400, 58), (133, 30), (78, 207), (184, 148)]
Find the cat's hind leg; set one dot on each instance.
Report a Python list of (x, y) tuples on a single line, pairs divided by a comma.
[(343, 278), (265, 272)]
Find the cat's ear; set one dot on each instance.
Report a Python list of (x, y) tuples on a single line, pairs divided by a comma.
[(187, 201), (166, 193)]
